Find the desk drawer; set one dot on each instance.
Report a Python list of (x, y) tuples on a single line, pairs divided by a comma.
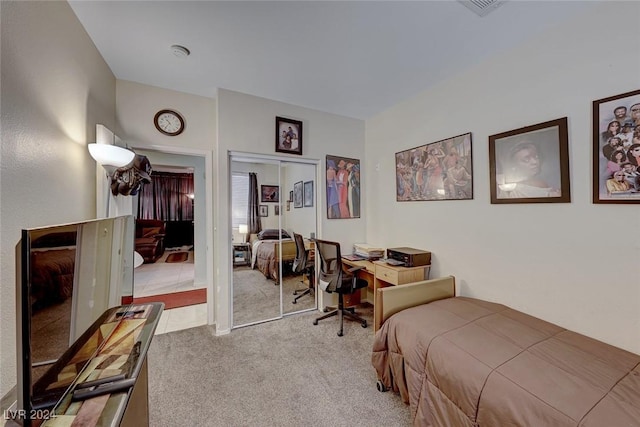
[(387, 274)]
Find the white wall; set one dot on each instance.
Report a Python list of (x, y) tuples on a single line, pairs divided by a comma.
[(247, 124), (55, 89), (576, 264)]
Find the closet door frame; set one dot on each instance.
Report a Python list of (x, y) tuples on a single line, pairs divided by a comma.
[(235, 156)]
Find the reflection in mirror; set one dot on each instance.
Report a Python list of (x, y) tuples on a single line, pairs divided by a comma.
[(70, 275), (299, 218), (255, 278), (271, 276)]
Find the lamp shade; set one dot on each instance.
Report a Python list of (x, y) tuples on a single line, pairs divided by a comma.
[(243, 229), (111, 155)]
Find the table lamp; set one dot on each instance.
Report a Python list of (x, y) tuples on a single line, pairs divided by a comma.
[(243, 229)]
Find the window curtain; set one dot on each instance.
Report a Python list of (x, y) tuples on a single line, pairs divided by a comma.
[(253, 219), (167, 197)]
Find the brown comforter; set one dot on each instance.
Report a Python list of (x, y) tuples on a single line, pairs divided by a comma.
[(465, 362), (51, 276), (267, 259)]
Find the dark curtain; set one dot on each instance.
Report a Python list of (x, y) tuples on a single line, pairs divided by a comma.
[(167, 197), (253, 219)]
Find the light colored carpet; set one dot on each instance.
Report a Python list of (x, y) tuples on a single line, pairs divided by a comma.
[(282, 373), (257, 298)]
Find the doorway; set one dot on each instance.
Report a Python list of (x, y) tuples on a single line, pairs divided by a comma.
[(264, 282), (180, 273)]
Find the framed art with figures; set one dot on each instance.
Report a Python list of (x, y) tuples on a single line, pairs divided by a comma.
[(269, 193), (441, 170), (297, 194), (288, 136), (343, 187), (616, 149), (530, 164)]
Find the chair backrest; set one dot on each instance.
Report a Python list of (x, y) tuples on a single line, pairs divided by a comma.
[(300, 262), (330, 264)]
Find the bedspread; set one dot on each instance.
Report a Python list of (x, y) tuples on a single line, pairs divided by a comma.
[(51, 276), (466, 362)]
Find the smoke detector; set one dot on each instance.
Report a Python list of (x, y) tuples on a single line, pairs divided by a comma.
[(180, 51), (481, 7)]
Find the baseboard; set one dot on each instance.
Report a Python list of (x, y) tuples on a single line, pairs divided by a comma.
[(9, 400)]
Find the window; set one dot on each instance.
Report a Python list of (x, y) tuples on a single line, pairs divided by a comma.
[(239, 198)]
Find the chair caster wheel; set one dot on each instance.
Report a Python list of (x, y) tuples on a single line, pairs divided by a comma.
[(340, 334), (325, 310), (381, 388), (364, 324), (315, 322)]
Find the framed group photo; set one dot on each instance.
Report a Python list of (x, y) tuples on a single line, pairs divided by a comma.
[(530, 164), (288, 136), (616, 149), (441, 170), (343, 187), (269, 193)]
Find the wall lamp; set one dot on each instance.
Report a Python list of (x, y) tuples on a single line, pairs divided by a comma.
[(111, 155)]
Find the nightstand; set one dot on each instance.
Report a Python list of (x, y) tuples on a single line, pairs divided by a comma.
[(241, 254)]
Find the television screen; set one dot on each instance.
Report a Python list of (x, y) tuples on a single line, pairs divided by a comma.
[(69, 275)]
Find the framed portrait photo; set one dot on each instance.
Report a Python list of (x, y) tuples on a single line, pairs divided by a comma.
[(288, 136), (263, 210), (297, 194), (441, 170), (616, 149), (308, 194), (530, 164), (269, 193)]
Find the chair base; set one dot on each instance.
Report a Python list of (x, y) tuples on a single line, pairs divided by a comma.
[(305, 292), (341, 312)]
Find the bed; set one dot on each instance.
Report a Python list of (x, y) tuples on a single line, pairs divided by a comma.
[(459, 361), (265, 256), (52, 266)]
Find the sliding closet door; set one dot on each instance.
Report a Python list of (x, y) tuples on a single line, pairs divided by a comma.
[(298, 216), (265, 284), (255, 277)]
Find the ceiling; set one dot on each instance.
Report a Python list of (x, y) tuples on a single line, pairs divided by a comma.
[(354, 58)]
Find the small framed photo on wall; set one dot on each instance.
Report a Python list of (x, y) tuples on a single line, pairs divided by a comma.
[(530, 164), (269, 193), (308, 194), (263, 210), (297, 194), (276, 210), (288, 136), (616, 149)]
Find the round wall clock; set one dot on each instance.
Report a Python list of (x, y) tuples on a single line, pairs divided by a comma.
[(169, 122)]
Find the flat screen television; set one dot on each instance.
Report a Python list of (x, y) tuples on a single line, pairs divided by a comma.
[(68, 276)]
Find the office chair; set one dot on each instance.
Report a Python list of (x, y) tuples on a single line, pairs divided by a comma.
[(303, 263), (333, 278)]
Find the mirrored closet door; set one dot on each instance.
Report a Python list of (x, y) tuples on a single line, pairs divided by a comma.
[(270, 278)]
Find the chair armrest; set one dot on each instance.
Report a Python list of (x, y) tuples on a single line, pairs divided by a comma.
[(354, 269)]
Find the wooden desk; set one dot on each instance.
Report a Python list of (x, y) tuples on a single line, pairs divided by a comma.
[(379, 274)]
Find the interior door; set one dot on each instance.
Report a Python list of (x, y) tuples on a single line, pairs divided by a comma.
[(263, 280)]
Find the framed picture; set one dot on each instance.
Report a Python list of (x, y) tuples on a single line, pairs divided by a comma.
[(291, 196), (288, 205), (297, 194), (276, 210), (308, 194), (616, 149), (441, 170), (343, 187), (288, 136), (530, 164), (269, 193), (263, 210)]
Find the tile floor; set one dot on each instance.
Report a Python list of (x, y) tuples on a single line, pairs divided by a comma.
[(164, 278)]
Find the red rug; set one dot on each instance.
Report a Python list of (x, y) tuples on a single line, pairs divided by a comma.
[(177, 257), (177, 299)]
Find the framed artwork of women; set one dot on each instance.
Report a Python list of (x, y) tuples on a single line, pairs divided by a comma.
[(288, 136), (530, 164), (343, 187), (616, 149), (441, 170), (269, 193)]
